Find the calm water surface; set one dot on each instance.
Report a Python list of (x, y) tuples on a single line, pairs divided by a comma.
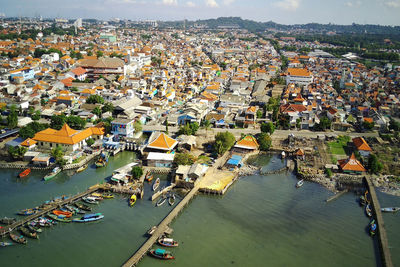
[(261, 221)]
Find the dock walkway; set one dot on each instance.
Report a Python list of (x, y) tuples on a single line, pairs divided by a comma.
[(383, 241), (9, 228), (161, 228)]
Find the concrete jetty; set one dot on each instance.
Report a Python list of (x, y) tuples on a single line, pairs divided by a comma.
[(382, 237), (9, 228), (336, 196), (162, 192), (161, 228)]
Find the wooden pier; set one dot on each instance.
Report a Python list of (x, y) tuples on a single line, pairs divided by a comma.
[(336, 196), (162, 192), (382, 237), (160, 230), (9, 228)]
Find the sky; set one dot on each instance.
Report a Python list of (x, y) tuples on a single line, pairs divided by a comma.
[(383, 12)]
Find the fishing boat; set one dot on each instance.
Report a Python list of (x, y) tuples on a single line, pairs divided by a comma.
[(27, 212), (67, 214), (7, 221), (82, 206), (149, 177), (103, 195), (18, 238), (161, 201), (52, 174), (161, 254), (390, 209), (90, 200), (362, 201), (89, 218), (283, 155), (152, 230), (82, 168), (132, 200), (167, 242), (171, 199), (102, 160), (6, 244), (74, 209), (300, 183), (368, 210), (34, 229), (25, 231), (59, 218), (25, 173), (156, 184), (372, 228)]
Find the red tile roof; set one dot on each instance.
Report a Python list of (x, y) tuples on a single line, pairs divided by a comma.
[(351, 164), (361, 144)]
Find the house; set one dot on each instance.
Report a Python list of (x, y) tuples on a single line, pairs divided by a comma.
[(29, 143), (23, 74), (103, 66), (69, 139), (246, 144), (77, 74), (160, 142), (157, 159), (122, 127), (351, 165), (299, 76), (362, 146)]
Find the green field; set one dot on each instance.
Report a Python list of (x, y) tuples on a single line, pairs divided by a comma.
[(337, 147)]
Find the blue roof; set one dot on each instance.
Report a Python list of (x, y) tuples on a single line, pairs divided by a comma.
[(160, 251), (235, 160), (15, 142)]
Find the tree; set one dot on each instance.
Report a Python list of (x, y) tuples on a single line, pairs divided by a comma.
[(136, 172), (97, 111), (108, 107), (138, 126), (94, 99), (368, 125), (186, 130), (324, 123), (26, 132), (17, 153), (194, 127), (57, 121), (76, 122), (36, 115), (166, 126), (223, 142), (58, 154), (12, 118), (259, 114), (264, 140), (298, 123), (268, 128), (90, 142), (99, 54), (184, 159), (374, 165)]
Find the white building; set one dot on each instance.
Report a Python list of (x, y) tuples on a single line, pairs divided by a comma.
[(299, 76)]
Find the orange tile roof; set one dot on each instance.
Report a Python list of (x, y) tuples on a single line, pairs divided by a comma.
[(28, 142), (163, 142), (248, 142), (361, 144), (298, 72), (299, 152), (370, 120), (78, 71), (351, 164)]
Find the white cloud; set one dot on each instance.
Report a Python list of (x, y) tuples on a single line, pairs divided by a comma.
[(228, 2), (288, 4), (353, 4), (211, 3), (394, 4), (170, 2)]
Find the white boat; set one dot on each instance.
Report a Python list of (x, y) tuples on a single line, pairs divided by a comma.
[(161, 201), (283, 154), (52, 174), (156, 184), (300, 183), (171, 199), (390, 209)]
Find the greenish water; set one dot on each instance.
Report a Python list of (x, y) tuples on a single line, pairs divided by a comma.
[(261, 221)]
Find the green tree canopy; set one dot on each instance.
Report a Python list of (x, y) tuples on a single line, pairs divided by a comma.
[(94, 99), (184, 159), (108, 107), (223, 142), (90, 142), (264, 140), (374, 165), (137, 126), (267, 127), (137, 172)]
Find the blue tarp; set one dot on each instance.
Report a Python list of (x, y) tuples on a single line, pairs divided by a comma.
[(235, 160), (15, 142)]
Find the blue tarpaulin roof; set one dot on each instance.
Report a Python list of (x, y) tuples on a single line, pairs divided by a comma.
[(235, 160)]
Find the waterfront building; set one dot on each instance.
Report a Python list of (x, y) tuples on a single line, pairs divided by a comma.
[(362, 146), (157, 159), (246, 144), (351, 165), (160, 142), (122, 127), (69, 139)]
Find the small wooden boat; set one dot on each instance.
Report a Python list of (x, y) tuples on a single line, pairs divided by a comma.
[(103, 195), (96, 197), (102, 160), (82, 168), (156, 184), (6, 244), (362, 201), (151, 230), (372, 228), (52, 174), (27, 212), (171, 199), (25, 173), (149, 177), (59, 218), (18, 238), (161, 201), (161, 254), (167, 242), (132, 200), (390, 209), (82, 206), (34, 229), (7, 221), (90, 200), (89, 218), (25, 231), (74, 209), (368, 210), (300, 183), (67, 214)]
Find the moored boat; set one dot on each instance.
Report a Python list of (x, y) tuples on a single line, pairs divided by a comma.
[(103, 195), (156, 184), (34, 229), (89, 218), (6, 244), (102, 160), (149, 177), (25, 231), (161, 201), (372, 228), (74, 209), (24, 173), (82, 206), (171, 199), (132, 200), (67, 214), (161, 254), (167, 242), (18, 238), (90, 200), (52, 174), (82, 168), (59, 218), (27, 212), (390, 209), (300, 183), (368, 210), (362, 201), (6, 220)]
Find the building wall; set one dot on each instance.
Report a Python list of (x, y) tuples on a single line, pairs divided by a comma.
[(159, 163), (124, 129), (303, 80)]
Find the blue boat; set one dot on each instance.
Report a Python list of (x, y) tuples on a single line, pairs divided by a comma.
[(89, 218)]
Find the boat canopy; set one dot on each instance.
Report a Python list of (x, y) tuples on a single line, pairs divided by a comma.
[(160, 251), (168, 240)]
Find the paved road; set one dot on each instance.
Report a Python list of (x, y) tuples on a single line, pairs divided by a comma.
[(277, 133)]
